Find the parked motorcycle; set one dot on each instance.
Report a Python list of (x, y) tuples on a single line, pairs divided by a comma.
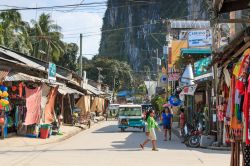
[(192, 135)]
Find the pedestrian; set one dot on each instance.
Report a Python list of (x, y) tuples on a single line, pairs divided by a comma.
[(150, 131), (164, 123), (168, 122), (182, 121)]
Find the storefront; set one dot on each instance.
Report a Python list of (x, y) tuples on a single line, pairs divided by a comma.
[(234, 95), (196, 84)]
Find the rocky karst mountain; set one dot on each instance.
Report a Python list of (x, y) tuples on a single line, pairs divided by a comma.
[(133, 29)]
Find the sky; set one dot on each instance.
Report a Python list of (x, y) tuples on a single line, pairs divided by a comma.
[(78, 20)]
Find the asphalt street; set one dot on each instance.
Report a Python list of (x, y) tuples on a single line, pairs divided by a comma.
[(105, 145)]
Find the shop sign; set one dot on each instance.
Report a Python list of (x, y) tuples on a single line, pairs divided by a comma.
[(164, 79), (52, 72), (202, 70), (200, 38), (188, 90), (174, 76)]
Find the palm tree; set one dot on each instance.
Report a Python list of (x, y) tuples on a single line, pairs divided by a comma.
[(14, 32), (46, 37)]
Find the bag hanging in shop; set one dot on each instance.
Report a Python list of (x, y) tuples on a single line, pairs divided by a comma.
[(2, 120)]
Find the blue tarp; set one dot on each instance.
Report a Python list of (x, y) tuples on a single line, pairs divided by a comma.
[(123, 93)]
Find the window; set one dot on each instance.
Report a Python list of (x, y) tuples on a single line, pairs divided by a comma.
[(130, 111)]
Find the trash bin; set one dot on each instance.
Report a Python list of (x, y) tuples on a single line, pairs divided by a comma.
[(44, 131)]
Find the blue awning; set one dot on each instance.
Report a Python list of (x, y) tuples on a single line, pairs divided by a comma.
[(190, 51)]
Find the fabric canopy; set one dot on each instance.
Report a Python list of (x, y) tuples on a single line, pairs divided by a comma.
[(97, 105), (49, 109), (33, 105), (84, 104)]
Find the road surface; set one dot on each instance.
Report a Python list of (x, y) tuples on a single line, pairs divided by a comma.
[(105, 145)]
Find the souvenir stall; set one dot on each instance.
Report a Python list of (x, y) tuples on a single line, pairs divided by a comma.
[(4, 110), (22, 107), (234, 104), (18, 108)]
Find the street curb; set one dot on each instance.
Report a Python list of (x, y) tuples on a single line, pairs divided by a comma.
[(177, 133), (62, 138), (219, 148)]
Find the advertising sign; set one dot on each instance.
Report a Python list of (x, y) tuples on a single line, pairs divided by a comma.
[(202, 69), (189, 90), (52, 72), (199, 38)]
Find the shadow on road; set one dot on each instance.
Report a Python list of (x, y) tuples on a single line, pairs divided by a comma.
[(136, 136), (127, 141)]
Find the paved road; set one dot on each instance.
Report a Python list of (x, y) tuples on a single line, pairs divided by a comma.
[(105, 145)]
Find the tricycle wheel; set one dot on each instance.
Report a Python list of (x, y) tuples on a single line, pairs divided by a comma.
[(122, 129), (143, 129)]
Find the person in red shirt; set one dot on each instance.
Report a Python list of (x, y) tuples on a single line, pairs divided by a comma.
[(182, 120)]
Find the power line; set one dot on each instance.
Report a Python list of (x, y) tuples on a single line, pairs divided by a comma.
[(77, 6), (74, 6), (50, 7)]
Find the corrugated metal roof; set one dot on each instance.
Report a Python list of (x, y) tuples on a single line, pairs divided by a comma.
[(66, 90), (93, 90), (21, 58), (26, 61), (183, 24), (12, 76)]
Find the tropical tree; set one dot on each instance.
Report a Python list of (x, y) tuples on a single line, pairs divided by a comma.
[(68, 59), (157, 103), (116, 74), (46, 37), (14, 32)]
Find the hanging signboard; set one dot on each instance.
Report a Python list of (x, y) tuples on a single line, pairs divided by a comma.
[(52, 72), (189, 90), (174, 76), (200, 38), (202, 70)]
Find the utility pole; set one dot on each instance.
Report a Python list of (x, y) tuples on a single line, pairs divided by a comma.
[(99, 74), (80, 55), (215, 45), (157, 67)]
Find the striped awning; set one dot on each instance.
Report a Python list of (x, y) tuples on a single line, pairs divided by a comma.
[(3, 74)]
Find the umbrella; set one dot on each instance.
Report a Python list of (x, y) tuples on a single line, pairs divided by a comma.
[(175, 101), (166, 105)]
